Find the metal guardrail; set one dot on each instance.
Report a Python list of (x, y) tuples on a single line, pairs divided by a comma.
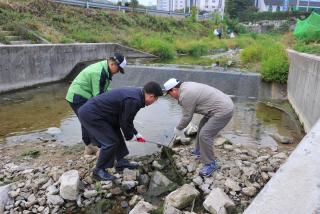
[(90, 4)]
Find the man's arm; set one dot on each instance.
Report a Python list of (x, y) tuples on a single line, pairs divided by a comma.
[(188, 106), (130, 107)]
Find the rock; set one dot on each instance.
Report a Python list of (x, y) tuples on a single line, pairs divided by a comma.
[(160, 184), (218, 202), (124, 204), (105, 185), (157, 165), (69, 187), (129, 175), (280, 155), (220, 141), (54, 200), (191, 130), (191, 167), (235, 172), (134, 200), (4, 197), (267, 169), (144, 179), (197, 181), (52, 190), (46, 210), (141, 189), (53, 131), (127, 185), (228, 147), (142, 208), (262, 158), (116, 191), (205, 188), (282, 139), (182, 197), (171, 210), (233, 185), (249, 191), (13, 194), (90, 193), (40, 209)]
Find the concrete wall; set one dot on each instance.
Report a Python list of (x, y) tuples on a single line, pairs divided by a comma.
[(304, 87), (231, 82), (295, 188), (27, 65)]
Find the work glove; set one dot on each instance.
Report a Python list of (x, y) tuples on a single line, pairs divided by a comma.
[(139, 138), (178, 133)]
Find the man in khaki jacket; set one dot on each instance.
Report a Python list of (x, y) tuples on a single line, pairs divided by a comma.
[(216, 108)]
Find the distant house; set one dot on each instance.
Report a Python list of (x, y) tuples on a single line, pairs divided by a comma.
[(285, 5), (202, 5)]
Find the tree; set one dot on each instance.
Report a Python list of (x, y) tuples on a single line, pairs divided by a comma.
[(134, 4), (234, 8)]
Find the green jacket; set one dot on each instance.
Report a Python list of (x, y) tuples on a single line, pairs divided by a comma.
[(91, 81)]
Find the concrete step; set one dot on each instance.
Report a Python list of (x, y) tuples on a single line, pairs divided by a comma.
[(21, 42), (7, 33), (13, 38)]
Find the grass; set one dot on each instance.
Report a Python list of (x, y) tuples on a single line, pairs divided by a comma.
[(31, 153)]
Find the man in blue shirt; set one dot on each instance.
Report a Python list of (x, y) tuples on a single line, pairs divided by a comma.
[(106, 115)]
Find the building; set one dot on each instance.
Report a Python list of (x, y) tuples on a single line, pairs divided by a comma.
[(211, 5), (202, 5), (285, 5)]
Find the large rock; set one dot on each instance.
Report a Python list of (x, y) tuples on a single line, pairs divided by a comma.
[(182, 197), (233, 185), (171, 210), (129, 175), (142, 208), (282, 139), (54, 200), (69, 187), (4, 197), (218, 202), (160, 184)]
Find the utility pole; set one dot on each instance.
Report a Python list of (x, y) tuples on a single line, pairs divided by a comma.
[(308, 5)]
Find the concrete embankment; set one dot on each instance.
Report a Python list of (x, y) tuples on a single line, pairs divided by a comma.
[(27, 65)]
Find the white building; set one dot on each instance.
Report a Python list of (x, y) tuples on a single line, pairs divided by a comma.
[(163, 5), (202, 5), (210, 5), (285, 5)]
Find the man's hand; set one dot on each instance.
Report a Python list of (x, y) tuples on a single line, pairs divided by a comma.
[(178, 133), (138, 137)]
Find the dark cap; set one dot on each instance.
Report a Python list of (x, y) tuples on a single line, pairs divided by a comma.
[(120, 60)]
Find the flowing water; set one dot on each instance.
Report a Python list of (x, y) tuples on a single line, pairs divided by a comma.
[(26, 116)]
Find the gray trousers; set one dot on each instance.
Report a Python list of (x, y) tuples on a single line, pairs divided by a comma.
[(208, 129)]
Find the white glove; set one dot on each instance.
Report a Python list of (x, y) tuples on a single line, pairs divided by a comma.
[(178, 133), (138, 135)]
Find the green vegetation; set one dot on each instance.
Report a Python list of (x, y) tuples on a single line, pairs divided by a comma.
[(31, 153)]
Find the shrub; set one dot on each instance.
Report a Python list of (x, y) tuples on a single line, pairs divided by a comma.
[(275, 66), (252, 54), (160, 48)]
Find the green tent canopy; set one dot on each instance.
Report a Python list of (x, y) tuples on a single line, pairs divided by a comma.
[(308, 29)]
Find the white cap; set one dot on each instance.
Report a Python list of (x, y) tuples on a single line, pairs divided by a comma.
[(171, 83)]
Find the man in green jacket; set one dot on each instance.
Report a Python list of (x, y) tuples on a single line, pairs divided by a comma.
[(90, 82)]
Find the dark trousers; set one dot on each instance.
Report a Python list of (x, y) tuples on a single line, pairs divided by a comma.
[(79, 101), (107, 136)]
